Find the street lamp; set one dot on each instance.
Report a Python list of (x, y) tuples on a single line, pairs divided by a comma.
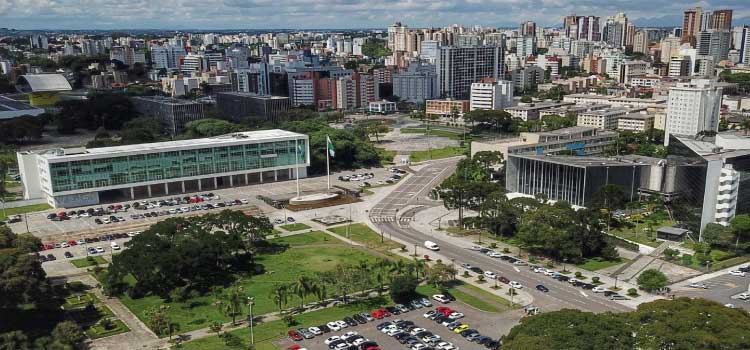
[(250, 302), (564, 261)]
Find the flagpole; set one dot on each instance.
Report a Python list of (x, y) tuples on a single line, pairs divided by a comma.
[(296, 163), (328, 165)]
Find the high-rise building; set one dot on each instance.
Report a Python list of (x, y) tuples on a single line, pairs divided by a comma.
[(39, 41), (167, 56), (525, 46), (714, 43), (397, 36), (417, 83), (582, 27), (527, 28), (744, 46), (679, 66), (640, 42), (693, 108), (721, 19), (429, 50), (459, 67), (126, 55), (491, 95), (691, 25)]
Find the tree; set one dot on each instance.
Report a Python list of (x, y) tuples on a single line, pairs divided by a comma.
[(403, 288), (741, 227), (232, 300), (280, 295), (209, 128), (14, 340), (215, 327), (671, 254), (439, 273), (159, 321), (303, 287), (68, 333), (651, 280), (526, 99)]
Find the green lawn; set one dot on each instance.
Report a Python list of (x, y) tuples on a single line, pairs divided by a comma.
[(471, 295), (437, 153), (439, 132), (301, 259), (97, 331), (86, 262), (640, 234), (597, 263), (297, 226), (23, 210), (363, 234), (79, 300), (386, 156), (267, 333)]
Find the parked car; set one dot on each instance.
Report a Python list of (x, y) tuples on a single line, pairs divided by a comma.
[(542, 288), (441, 298), (68, 255), (294, 335)]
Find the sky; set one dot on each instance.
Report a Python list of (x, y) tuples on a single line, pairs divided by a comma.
[(343, 14)]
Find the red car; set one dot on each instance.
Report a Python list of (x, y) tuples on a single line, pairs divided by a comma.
[(445, 311), (72, 243), (295, 335), (49, 246), (377, 314), (503, 279), (385, 312)]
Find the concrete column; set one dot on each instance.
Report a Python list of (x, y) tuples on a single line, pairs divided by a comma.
[(247, 181), (148, 187), (275, 175), (231, 180), (260, 174), (183, 186), (132, 193), (200, 187), (216, 183), (291, 174), (166, 188)]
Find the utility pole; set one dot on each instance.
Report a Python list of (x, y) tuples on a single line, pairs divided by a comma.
[(250, 302)]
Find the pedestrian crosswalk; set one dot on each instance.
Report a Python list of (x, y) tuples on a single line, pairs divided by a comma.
[(377, 219)]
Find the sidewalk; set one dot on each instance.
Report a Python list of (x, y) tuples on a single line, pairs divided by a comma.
[(425, 221)]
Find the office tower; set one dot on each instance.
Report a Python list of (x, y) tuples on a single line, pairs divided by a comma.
[(527, 28), (714, 43), (417, 83), (126, 55), (582, 27), (679, 66), (691, 25), (721, 19), (526, 46), (692, 108), (468, 40), (459, 67), (744, 46), (669, 47), (429, 50), (237, 57), (490, 94), (167, 56), (39, 41)]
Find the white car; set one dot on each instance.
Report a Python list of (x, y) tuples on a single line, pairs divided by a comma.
[(332, 339), (349, 334), (743, 296), (333, 326), (64, 245), (737, 273), (342, 324), (389, 328), (115, 246), (444, 345), (418, 346), (475, 248), (698, 285), (342, 346), (456, 315), (359, 341), (244, 201), (731, 306), (514, 284), (441, 298), (395, 331), (81, 241), (520, 263), (315, 330), (490, 275), (494, 254), (99, 249), (416, 330), (598, 289), (540, 270), (549, 273)]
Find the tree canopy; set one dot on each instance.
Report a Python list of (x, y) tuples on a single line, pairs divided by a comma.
[(652, 279), (210, 127), (664, 324)]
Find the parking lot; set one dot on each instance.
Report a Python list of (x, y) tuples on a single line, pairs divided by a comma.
[(723, 289), (46, 229), (487, 324)]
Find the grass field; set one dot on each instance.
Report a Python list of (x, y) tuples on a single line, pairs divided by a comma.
[(80, 300), (471, 295), (386, 156), (23, 210), (97, 331), (437, 153), (297, 226), (639, 232), (597, 263), (86, 262), (309, 253), (363, 234), (267, 333)]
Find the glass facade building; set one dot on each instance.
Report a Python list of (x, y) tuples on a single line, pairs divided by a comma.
[(75, 171)]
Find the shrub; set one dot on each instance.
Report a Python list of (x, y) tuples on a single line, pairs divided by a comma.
[(632, 292), (466, 274), (687, 259), (493, 245), (594, 280), (506, 250), (579, 274)]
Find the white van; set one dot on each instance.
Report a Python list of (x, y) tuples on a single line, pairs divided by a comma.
[(431, 245)]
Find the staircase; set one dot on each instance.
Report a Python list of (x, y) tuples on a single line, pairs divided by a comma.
[(635, 266)]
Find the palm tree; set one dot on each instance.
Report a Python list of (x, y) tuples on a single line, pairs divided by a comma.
[(320, 292), (303, 287), (398, 267), (232, 301), (280, 295)]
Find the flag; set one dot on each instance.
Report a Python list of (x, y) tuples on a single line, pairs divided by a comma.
[(329, 146)]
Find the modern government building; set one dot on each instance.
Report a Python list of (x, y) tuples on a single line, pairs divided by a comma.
[(73, 177)]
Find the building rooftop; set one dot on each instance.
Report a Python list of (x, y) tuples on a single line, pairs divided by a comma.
[(44, 83), (165, 100), (638, 116), (250, 94), (8, 104), (229, 139), (588, 161), (538, 106)]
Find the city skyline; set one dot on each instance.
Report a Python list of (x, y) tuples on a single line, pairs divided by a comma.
[(341, 14)]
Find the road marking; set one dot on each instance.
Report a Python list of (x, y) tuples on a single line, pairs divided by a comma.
[(582, 293), (515, 268)]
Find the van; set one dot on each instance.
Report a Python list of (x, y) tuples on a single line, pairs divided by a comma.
[(431, 245)]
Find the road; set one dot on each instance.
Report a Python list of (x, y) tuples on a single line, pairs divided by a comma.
[(414, 188), (722, 289)]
